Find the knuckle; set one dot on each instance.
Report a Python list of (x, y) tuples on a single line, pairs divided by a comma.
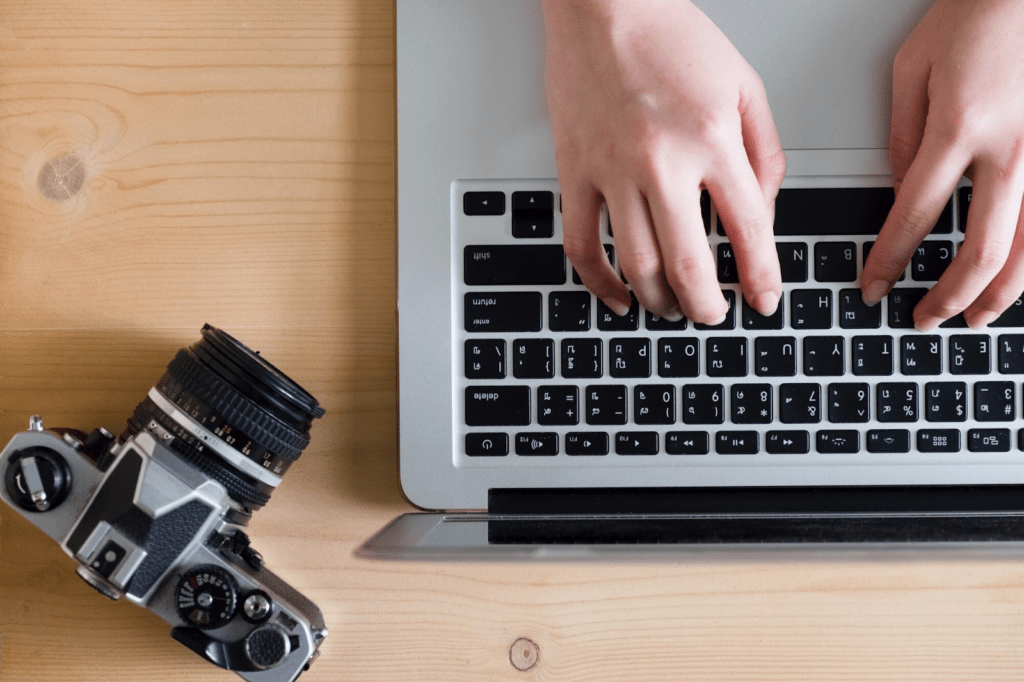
[(988, 256), (745, 228), (640, 265), (999, 299), (687, 269)]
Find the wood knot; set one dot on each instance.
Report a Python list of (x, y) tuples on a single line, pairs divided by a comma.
[(62, 177), (524, 654)]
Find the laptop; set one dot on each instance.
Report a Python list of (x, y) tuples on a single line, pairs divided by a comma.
[(536, 423)]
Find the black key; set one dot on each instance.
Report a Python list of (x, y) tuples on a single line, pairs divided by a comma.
[(848, 403), (487, 444), (679, 357), (497, 405), (988, 440), (507, 265), (888, 440), (636, 443), (872, 355), (540, 201), (485, 359), (944, 225), (654, 404), (629, 358), (726, 262), (945, 401), (787, 442), (687, 443), (737, 442), (751, 403), (607, 321), (969, 354), (775, 356), (569, 311), (896, 402), (835, 262), (921, 355), (1011, 354), (855, 314), (800, 403), (955, 322), (994, 401), (938, 440), (727, 357), (589, 443), (533, 214), (811, 308), (660, 324), (505, 311), (581, 358), (533, 359), (902, 302), (755, 320), (558, 405), (792, 261), (824, 356), (867, 250), (705, 210), (965, 203), (702, 404), (533, 226), (730, 316), (609, 251), (537, 444), (1020, 439), (841, 442), (832, 211), (1012, 316), (606, 405), (483, 203), (931, 258)]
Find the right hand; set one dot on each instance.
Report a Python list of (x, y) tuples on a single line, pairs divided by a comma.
[(650, 103)]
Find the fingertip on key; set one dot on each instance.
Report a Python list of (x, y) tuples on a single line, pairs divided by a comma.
[(767, 303)]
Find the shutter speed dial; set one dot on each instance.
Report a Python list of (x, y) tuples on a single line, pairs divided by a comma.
[(207, 597)]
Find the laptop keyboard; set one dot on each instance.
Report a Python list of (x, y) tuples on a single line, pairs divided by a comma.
[(545, 373)]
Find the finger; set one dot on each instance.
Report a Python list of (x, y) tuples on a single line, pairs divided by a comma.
[(928, 184), (639, 253), (761, 141), (909, 113), (748, 223), (991, 223), (1005, 288), (688, 264), (581, 239)]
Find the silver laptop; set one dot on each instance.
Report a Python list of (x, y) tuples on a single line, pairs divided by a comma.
[(560, 425)]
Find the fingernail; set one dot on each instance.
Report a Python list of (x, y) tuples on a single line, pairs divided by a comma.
[(766, 303), (926, 324), (672, 316), (619, 308), (875, 292), (979, 321)]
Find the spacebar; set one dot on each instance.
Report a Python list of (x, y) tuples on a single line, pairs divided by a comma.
[(832, 211)]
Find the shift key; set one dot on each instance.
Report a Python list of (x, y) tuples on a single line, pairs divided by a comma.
[(492, 265)]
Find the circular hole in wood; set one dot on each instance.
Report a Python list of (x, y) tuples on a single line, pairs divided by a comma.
[(62, 177)]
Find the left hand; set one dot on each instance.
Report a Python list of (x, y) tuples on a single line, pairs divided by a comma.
[(958, 109)]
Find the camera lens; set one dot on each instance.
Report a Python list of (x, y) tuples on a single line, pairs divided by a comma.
[(231, 414)]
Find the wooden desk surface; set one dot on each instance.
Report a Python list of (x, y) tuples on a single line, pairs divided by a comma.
[(165, 164)]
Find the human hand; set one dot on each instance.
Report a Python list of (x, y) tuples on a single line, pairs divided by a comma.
[(958, 109), (649, 104)]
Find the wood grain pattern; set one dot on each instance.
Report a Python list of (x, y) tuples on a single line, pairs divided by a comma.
[(239, 169)]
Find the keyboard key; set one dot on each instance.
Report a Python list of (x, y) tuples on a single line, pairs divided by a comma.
[(702, 404), (945, 401), (800, 403), (955, 322), (558, 405), (726, 263), (751, 404), (938, 440), (881, 441), (964, 197), (902, 302), (787, 442), (921, 355), (607, 321), (606, 405), (988, 440), (678, 357), (483, 203), (930, 260), (533, 359), (832, 211), (727, 357), (824, 356), (705, 210), (896, 402), (581, 358), (510, 265), (687, 443), (737, 442), (969, 354), (872, 355), (533, 215), (497, 405), (485, 359), (537, 444), (811, 308), (994, 401), (569, 311), (841, 442), (1012, 316), (730, 316), (792, 261), (629, 358), (1011, 354), (944, 225), (775, 356), (609, 251), (654, 404), (487, 444), (848, 403), (660, 324), (755, 320), (506, 311), (855, 314), (587, 444), (835, 262), (636, 443)]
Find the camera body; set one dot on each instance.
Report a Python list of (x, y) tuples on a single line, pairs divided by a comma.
[(158, 514)]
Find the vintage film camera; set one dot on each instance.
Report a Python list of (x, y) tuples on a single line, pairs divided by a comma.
[(157, 515)]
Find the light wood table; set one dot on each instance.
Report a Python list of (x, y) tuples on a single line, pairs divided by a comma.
[(168, 163)]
